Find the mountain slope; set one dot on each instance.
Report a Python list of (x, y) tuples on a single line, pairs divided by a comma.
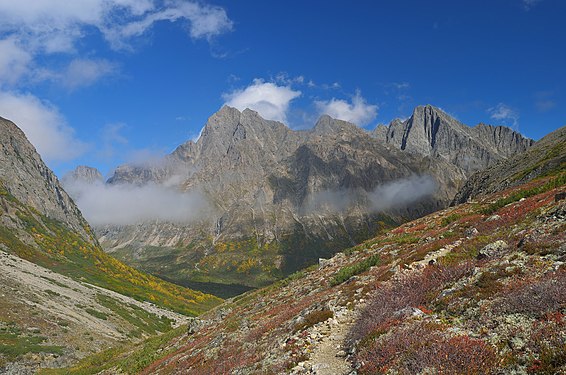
[(545, 157), (479, 288), (279, 199), (39, 223)]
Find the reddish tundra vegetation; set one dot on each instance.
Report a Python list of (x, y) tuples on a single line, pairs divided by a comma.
[(478, 288)]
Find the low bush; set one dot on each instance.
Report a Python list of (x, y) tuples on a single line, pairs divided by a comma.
[(551, 184), (347, 272), (537, 298), (407, 291), (424, 348), (313, 318)]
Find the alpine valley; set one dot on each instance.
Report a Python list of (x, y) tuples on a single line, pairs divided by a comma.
[(276, 200), (425, 246)]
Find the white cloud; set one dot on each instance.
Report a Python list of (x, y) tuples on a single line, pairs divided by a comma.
[(388, 196), (33, 28), (505, 114), (358, 111), (104, 204), (270, 100), (14, 61), (401, 192), (78, 73), (44, 126), (529, 4), (112, 140)]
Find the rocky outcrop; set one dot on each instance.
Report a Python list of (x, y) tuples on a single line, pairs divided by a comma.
[(546, 156), (83, 174), (26, 177)]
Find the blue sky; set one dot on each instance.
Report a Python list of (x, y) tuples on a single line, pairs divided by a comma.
[(103, 82)]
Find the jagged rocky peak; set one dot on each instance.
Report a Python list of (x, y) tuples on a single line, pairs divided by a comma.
[(83, 174), (424, 129), (380, 132), (330, 125), (26, 177), (506, 139), (431, 132)]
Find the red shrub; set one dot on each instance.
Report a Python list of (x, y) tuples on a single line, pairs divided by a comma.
[(407, 291), (535, 298), (422, 346)]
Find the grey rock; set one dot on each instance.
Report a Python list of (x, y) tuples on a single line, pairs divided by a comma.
[(493, 218), (83, 174), (26, 177), (432, 132), (547, 154), (493, 249)]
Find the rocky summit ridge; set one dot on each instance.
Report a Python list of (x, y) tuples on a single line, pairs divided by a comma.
[(278, 199), (432, 132)]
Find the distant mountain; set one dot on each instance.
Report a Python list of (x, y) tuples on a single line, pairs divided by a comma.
[(83, 174), (475, 289), (280, 199), (547, 156), (56, 280), (432, 132)]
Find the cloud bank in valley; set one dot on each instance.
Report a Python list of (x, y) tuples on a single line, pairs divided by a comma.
[(401, 192), (126, 204), (387, 196)]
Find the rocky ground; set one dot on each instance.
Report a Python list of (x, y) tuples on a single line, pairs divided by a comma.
[(446, 292), (50, 320)]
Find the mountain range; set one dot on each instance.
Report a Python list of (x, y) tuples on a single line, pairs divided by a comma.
[(477, 288), (273, 200)]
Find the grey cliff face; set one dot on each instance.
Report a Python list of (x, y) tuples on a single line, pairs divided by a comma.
[(24, 175), (83, 174), (546, 155), (305, 194), (432, 132)]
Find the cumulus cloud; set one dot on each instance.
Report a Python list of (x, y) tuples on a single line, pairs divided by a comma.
[(84, 72), (62, 22), (43, 27), (268, 99), (14, 61), (78, 73), (126, 204), (358, 111), (505, 114), (385, 197), (43, 125)]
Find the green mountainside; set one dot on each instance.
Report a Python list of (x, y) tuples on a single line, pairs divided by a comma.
[(61, 296)]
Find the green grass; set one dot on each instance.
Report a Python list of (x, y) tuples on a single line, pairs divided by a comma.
[(14, 344), (138, 317), (345, 273), (551, 184), (450, 219), (96, 313), (127, 359)]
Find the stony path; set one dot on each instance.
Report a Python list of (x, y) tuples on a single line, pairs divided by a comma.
[(328, 356)]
